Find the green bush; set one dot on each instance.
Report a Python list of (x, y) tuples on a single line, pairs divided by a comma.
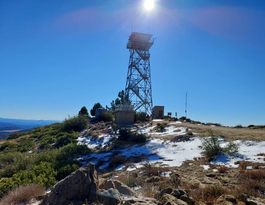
[(161, 127), (25, 144), (211, 147), (44, 166), (42, 173), (8, 146), (73, 150), (76, 123), (65, 138), (66, 170), (106, 116), (127, 135), (15, 135), (140, 116)]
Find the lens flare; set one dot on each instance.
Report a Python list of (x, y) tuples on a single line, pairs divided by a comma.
[(149, 4)]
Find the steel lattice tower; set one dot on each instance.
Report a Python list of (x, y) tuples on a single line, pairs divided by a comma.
[(138, 90)]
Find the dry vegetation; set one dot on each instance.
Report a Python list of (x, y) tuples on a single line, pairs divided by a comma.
[(230, 133), (23, 194)]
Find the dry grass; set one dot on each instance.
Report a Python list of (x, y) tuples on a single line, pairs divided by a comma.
[(244, 164), (252, 183), (229, 133), (23, 194), (207, 194), (130, 180), (223, 169), (154, 170), (149, 190)]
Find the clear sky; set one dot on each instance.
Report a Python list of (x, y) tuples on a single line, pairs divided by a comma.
[(57, 56)]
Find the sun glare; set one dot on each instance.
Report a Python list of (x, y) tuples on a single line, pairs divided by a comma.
[(149, 4)]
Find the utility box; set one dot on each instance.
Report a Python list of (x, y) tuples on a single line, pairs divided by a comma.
[(158, 112), (99, 111), (124, 114)]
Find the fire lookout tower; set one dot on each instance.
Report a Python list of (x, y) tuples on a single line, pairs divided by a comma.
[(138, 88)]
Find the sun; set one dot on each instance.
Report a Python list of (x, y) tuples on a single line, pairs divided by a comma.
[(149, 4)]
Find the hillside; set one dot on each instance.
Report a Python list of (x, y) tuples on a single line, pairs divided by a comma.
[(8, 126), (148, 157)]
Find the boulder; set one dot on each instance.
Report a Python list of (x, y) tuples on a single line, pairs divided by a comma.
[(176, 193), (79, 186), (169, 199), (139, 201), (226, 198), (116, 184), (165, 191), (110, 196), (187, 199)]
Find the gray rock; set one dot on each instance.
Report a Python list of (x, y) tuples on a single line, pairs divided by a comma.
[(116, 184), (80, 185), (182, 192), (165, 191), (228, 198), (169, 199), (187, 199), (176, 193), (110, 196)]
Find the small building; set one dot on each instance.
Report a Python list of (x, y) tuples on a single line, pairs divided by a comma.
[(158, 112), (124, 114), (99, 111)]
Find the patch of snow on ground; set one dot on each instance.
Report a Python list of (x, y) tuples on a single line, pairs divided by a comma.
[(165, 174), (171, 153), (92, 143), (205, 167), (247, 151), (131, 168)]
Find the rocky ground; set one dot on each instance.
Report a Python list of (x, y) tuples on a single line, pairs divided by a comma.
[(196, 181)]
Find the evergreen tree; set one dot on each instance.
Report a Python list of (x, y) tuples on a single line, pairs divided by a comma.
[(83, 111), (93, 110)]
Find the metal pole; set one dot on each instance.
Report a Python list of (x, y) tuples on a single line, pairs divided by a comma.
[(186, 104)]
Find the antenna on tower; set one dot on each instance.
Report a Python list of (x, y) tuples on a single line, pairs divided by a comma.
[(149, 27)]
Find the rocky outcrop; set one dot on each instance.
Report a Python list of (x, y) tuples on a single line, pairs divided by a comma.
[(115, 184), (110, 196), (169, 199), (175, 197), (77, 188), (139, 201), (249, 200), (228, 199)]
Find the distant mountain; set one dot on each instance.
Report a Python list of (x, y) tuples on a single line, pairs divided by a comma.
[(8, 126)]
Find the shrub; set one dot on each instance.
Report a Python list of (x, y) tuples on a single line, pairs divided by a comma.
[(8, 146), (223, 169), (252, 182), (15, 135), (66, 170), (76, 123), (73, 150), (106, 116), (209, 193), (160, 127), (127, 135), (65, 138), (23, 194), (211, 147), (238, 126), (117, 160), (140, 116)]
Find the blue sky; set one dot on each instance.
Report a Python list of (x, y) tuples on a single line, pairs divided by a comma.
[(57, 56)]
